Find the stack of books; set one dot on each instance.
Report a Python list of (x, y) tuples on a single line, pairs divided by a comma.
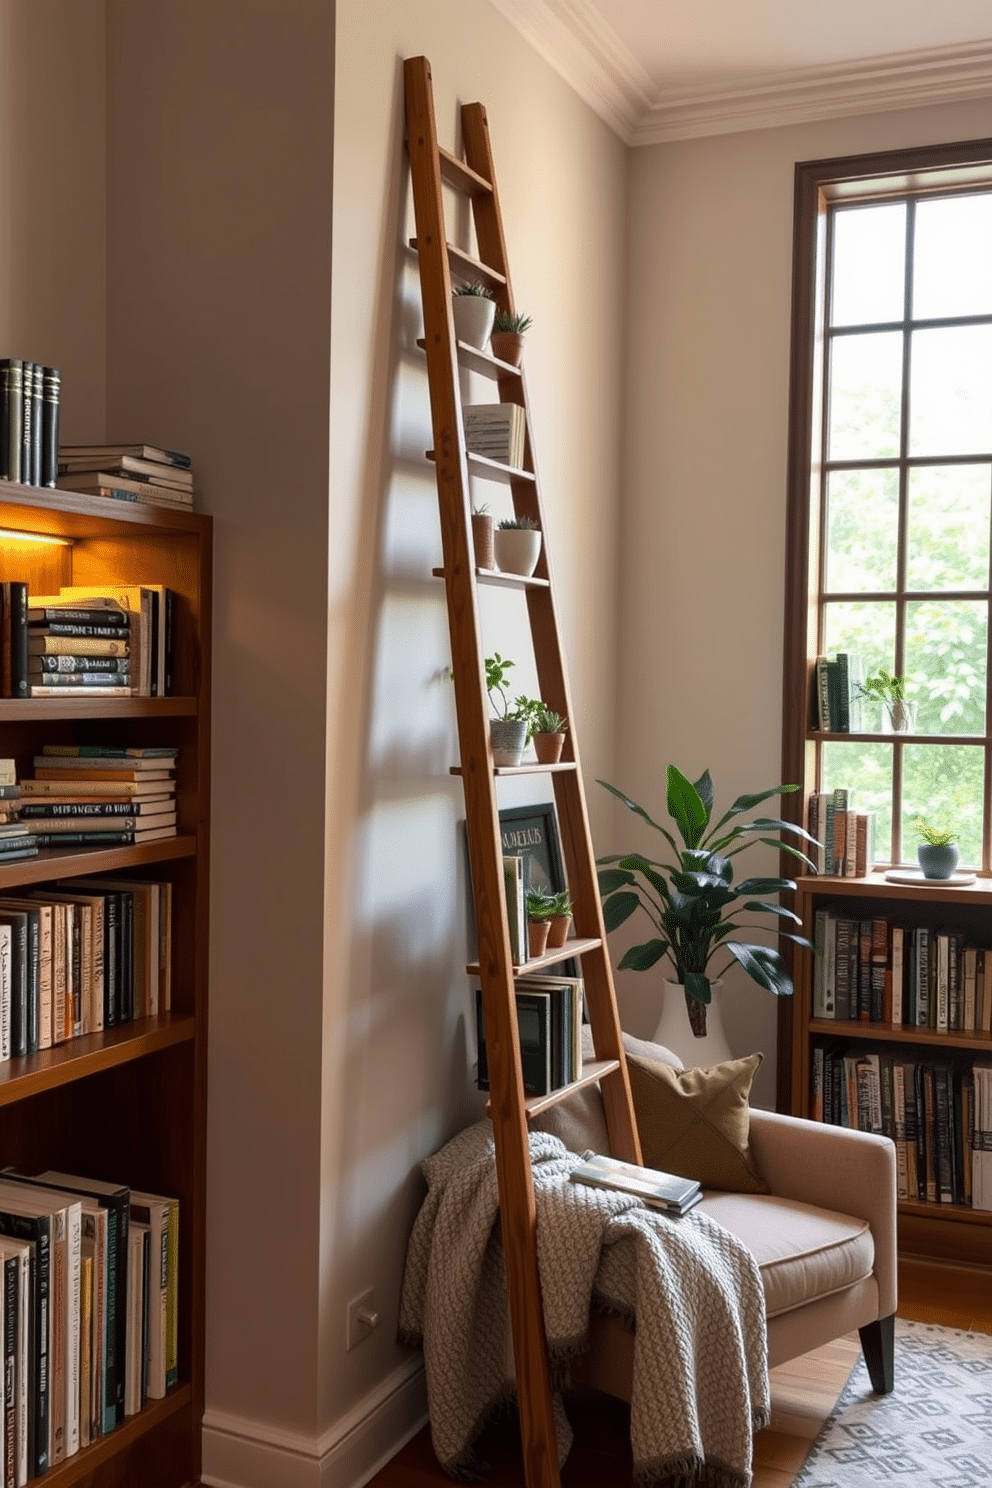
[(838, 689), (90, 1273), (128, 472), (495, 430), (85, 625), (77, 650), (16, 839), (669, 1192), (549, 1024), (30, 395), (89, 795), (844, 837)]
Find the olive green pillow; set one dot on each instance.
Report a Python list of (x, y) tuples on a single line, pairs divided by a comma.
[(694, 1122)]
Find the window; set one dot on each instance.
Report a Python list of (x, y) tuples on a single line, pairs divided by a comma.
[(891, 484)]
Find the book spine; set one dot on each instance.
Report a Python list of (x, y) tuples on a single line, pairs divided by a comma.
[(10, 1308), (51, 394), (12, 420), (6, 977), (27, 417), (37, 404), (38, 1230), (172, 1316), (72, 664)]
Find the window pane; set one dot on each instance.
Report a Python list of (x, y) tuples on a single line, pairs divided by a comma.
[(945, 656), (950, 398), (866, 771), (952, 257), (869, 264), (944, 785), (868, 629), (865, 386), (948, 533), (862, 529)]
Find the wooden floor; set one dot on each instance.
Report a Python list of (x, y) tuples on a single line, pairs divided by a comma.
[(803, 1395)]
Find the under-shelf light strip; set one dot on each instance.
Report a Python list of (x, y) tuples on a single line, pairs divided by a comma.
[(7, 535)]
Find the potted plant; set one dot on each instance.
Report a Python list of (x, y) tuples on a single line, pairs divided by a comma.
[(547, 730), (693, 903), (560, 921), (508, 729), (540, 908), (890, 691), (518, 545), (483, 531), (937, 854), (473, 309), (507, 339)]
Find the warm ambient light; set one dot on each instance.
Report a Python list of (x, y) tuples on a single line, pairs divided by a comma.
[(34, 537)]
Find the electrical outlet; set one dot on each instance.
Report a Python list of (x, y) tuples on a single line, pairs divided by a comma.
[(361, 1320)]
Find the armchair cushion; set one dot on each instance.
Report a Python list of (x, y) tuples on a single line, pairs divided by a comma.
[(695, 1122), (803, 1252)]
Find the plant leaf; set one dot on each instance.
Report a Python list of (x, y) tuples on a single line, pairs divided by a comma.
[(697, 986), (619, 907), (643, 957), (763, 966), (686, 807), (611, 879)]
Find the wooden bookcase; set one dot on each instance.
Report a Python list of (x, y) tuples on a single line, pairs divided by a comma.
[(953, 1232), (128, 1104)]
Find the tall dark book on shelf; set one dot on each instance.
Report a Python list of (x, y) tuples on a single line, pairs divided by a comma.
[(11, 417)]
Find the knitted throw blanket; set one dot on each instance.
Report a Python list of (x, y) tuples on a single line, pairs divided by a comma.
[(700, 1384)]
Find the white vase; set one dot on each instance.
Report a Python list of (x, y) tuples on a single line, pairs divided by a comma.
[(473, 316), (675, 1032), (517, 549)]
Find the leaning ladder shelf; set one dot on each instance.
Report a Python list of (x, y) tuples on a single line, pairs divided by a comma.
[(432, 167)]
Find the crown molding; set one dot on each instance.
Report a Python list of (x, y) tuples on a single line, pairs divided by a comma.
[(871, 85), (584, 49)]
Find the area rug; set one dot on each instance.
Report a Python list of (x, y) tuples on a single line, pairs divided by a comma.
[(933, 1431)]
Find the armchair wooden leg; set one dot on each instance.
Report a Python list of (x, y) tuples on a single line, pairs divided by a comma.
[(878, 1347)]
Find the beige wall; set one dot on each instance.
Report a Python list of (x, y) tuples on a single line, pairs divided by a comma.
[(703, 530)]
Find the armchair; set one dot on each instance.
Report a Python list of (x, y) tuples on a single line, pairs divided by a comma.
[(824, 1236)]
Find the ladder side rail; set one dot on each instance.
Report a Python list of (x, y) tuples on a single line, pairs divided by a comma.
[(485, 209), (518, 1214)]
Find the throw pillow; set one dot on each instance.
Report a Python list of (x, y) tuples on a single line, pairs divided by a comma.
[(695, 1122)]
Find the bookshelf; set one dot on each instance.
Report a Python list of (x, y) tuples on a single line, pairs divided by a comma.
[(948, 1231), (127, 1104)]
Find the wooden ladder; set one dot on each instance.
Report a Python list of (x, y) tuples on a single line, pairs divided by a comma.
[(440, 263)]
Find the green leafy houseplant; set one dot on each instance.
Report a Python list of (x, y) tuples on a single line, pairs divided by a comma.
[(540, 904), (518, 524), (507, 320), (545, 720), (884, 687), (936, 836), (475, 290), (693, 902)]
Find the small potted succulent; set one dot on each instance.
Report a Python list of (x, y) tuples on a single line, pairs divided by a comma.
[(547, 731), (518, 545), (890, 691), (507, 339), (483, 531), (560, 921), (540, 908), (937, 853), (473, 309)]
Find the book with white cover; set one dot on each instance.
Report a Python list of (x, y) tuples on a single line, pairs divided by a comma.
[(657, 1189)]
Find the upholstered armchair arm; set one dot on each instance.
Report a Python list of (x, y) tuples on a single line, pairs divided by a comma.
[(833, 1168)]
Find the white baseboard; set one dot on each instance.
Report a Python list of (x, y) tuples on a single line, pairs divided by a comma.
[(242, 1453)]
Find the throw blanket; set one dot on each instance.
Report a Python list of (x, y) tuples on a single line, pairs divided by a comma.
[(700, 1385)]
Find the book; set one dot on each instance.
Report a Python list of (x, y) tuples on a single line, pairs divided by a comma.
[(534, 1032), (55, 645), (11, 418), (154, 452), (495, 430), (123, 488), (94, 1247), (667, 1192), (107, 838), (67, 789), (106, 766), (161, 1216), (516, 906), (115, 1199), (6, 983), (132, 809), (83, 687), (43, 666), (152, 470), (16, 1262), (14, 638), (20, 1220), (566, 1023), (16, 922), (51, 402), (103, 751), (85, 1344), (136, 1271)]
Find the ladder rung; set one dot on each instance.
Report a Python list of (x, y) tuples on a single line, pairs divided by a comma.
[(462, 176), (500, 580), (469, 268), (482, 362), (558, 767), (592, 1070), (575, 947), (485, 469)]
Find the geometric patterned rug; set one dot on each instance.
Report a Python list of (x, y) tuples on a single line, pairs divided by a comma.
[(933, 1431)]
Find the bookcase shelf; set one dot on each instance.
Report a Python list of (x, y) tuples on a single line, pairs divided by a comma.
[(949, 1231), (575, 947), (473, 359), (499, 580), (128, 1104), (593, 1071)]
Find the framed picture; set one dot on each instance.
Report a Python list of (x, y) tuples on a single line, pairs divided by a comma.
[(532, 831)]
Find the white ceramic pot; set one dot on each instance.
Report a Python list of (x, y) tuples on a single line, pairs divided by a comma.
[(474, 316), (675, 1031), (508, 735), (517, 549)]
